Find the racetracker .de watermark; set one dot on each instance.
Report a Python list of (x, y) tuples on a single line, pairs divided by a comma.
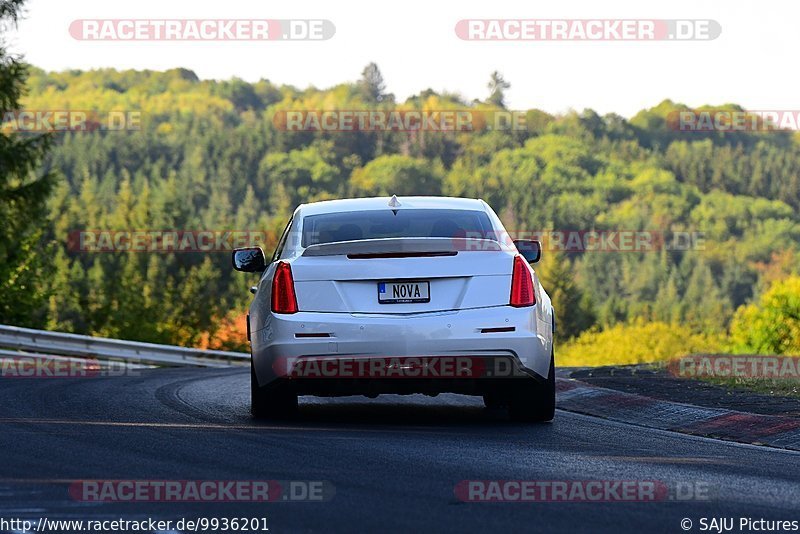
[(588, 29), (41, 366), (398, 367), (399, 120), (165, 241), (590, 240), (528, 491), (176, 241), (202, 29), (50, 120), (734, 121), (255, 491), (735, 366)]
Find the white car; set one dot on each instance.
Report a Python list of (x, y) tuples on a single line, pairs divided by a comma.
[(399, 295)]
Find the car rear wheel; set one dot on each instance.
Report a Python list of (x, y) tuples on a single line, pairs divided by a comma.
[(275, 403), (536, 403), (494, 401)]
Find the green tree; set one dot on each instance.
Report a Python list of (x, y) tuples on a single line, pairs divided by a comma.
[(497, 89), (705, 306), (209, 156), (573, 308), (371, 86), (300, 176), (773, 325), (667, 305), (397, 175), (23, 193)]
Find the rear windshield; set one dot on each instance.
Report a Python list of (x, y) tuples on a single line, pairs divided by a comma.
[(357, 225)]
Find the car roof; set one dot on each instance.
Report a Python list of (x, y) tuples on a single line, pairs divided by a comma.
[(382, 203)]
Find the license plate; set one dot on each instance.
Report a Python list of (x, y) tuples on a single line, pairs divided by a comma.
[(403, 292)]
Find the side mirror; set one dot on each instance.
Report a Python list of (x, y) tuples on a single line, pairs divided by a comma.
[(529, 249), (249, 260)]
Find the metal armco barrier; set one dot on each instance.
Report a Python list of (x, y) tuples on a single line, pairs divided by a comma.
[(61, 344)]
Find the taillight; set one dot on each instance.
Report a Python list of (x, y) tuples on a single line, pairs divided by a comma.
[(521, 285), (284, 299)]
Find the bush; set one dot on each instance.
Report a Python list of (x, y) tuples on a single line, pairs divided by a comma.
[(637, 342), (773, 325)]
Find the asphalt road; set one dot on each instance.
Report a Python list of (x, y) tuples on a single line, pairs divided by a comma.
[(394, 461)]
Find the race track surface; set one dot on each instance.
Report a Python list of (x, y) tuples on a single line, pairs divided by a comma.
[(393, 461)]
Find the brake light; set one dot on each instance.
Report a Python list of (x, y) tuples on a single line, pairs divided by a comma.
[(521, 285), (284, 299)]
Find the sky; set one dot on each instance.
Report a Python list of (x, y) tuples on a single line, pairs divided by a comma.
[(414, 43)]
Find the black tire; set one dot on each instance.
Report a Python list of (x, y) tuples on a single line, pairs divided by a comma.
[(276, 403), (537, 402), (494, 401)]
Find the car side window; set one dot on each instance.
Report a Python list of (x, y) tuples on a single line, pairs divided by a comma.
[(282, 241)]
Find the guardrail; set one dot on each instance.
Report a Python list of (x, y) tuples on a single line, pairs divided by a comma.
[(62, 344)]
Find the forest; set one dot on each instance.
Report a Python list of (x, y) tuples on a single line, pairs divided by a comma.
[(210, 155)]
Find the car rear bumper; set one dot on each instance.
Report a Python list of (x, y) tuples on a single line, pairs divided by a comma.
[(287, 347)]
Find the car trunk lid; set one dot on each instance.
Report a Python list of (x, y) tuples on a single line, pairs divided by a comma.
[(453, 273)]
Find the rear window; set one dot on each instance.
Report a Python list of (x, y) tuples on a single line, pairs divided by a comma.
[(378, 224)]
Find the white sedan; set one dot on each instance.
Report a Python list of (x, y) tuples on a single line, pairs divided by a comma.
[(399, 295)]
